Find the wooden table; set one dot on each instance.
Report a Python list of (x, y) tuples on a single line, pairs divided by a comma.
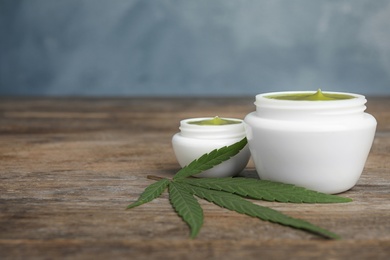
[(70, 166)]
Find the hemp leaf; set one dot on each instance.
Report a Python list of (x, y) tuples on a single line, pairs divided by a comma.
[(265, 190), (238, 204), (186, 206), (151, 192), (230, 193), (209, 160)]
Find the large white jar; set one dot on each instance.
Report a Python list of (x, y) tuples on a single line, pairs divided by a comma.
[(194, 140), (320, 145)]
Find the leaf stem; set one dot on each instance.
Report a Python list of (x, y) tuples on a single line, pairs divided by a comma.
[(154, 177)]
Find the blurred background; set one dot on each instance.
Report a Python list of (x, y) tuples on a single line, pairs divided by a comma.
[(193, 48)]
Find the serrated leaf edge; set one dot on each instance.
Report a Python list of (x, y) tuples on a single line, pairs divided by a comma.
[(186, 206), (261, 190), (209, 160), (261, 212), (151, 192)]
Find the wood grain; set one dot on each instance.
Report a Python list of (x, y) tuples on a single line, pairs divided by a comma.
[(70, 166)]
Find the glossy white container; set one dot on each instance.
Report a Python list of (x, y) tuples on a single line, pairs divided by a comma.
[(320, 145), (195, 140)]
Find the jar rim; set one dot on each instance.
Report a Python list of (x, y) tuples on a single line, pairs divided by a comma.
[(263, 101), (188, 120), (212, 131)]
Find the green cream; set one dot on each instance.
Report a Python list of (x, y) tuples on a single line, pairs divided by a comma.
[(318, 96), (215, 121)]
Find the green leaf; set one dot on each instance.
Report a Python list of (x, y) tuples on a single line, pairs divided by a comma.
[(265, 190), (240, 205), (151, 192), (226, 192), (211, 159), (186, 206)]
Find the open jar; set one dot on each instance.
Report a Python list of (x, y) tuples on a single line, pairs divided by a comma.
[(198, 136), (320, 144)]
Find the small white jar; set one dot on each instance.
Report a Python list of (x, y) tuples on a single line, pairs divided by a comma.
[(320, 145), (195, 140)]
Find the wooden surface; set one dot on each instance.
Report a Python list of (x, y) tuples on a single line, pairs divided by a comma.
[(69, 167)]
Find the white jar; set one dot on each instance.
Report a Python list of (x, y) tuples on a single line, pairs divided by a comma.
[(320, 145), (195, 140)]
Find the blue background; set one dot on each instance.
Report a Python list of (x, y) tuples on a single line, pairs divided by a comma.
[(198, 48)]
